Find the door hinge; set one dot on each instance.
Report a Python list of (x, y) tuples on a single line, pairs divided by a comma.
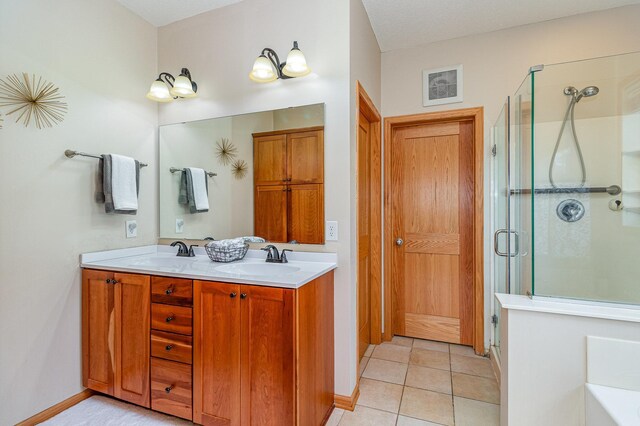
[(494, 150), (494, 319)]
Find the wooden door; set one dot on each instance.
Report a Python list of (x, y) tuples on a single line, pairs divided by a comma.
[(132, 313), (216, 353), (305, 157), (270, 159), (270, 213), (268, 361), (432, 173), (305, 216), (364, 234), (98, 331)]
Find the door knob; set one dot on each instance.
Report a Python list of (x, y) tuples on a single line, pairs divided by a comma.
[(399, 241)]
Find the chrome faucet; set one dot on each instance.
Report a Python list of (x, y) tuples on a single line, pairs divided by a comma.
[(273, 256), (183, 251)]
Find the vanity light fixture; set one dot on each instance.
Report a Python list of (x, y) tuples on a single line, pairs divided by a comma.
[(167, 88), (267, 67)]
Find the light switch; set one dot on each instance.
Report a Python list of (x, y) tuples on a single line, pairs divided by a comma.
[(332, 230), (131, 228), (179, 225)]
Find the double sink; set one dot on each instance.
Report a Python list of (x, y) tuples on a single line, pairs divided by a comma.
[(251, 267)]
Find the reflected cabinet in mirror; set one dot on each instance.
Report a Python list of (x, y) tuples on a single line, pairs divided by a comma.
[(258, 174)]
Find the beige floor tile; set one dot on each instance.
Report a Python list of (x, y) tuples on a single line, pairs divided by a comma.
[(475, 413), (363, 364), (432, 359), (365, 416), (402, 341), (387, 371), (335, 417), (369, 350), (410, 421), (431, 345), (380, 395), (475, 387), (429, 379), (462, 350), (477, 366), (392, 352), (426, 405)]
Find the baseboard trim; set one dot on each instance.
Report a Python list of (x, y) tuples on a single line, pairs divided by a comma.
[(57, 409), (348, 402)]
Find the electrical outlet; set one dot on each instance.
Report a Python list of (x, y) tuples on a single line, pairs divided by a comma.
[(179, 226), (332, 230), (131, 228)]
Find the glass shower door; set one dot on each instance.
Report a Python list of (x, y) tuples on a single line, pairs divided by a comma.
[(501, 243)]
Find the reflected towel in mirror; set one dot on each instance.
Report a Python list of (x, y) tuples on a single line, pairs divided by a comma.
[(194, 190)]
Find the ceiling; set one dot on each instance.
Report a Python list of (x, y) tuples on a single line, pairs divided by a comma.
[(408, 23), (163, 12)]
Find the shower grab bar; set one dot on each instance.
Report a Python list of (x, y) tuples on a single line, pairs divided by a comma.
[(611, 190), (175, 169), (69, 153)]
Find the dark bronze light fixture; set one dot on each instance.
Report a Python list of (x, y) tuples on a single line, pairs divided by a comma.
[(167, 88), (267, 67)]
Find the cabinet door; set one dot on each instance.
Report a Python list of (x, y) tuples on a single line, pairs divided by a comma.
[(132, 312), (306, 214), (268, 362), (98, 331), (269, 159), (216, 353), (270, 213), (305, 157)]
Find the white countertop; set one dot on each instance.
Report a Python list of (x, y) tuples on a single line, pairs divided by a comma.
[(302, 268)]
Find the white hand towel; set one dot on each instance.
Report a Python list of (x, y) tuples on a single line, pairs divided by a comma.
[(199, 177), (123, 182)]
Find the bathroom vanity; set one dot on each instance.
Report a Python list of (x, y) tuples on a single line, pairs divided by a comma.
[(220, 344)]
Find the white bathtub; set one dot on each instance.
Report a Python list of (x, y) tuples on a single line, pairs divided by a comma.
[(607, 406)]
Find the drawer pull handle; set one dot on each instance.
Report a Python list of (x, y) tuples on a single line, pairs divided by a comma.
[(169, 290), (243, 296), (168, 347), (170, 318), (168, 389), (232, 295)]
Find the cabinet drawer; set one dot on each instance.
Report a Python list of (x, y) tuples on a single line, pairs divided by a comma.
[(171, 346), (171, 291), (175, 319), (171, 388)]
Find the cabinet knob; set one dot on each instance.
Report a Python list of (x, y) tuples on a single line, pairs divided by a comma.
[(232, 295), (108, 280), (243, 296), (168, 389), (168, 347), (169, 290), (170, 318)]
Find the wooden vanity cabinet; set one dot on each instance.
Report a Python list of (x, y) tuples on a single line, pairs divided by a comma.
[(249, 342), (289, 185), (115, 334)]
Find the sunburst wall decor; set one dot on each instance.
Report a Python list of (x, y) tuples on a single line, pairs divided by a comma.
[(239, 168), (32, 98), (226, 151)]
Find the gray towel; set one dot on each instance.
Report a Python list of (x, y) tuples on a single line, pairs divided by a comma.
[(103, 185), (186, 191)]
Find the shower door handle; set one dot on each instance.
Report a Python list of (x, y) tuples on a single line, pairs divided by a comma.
[(516, 242)]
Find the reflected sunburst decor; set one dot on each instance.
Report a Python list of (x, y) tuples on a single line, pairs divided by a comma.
[(226, 151), (32, 98), (239, 168)]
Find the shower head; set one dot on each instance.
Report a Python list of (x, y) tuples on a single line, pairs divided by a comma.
[(587, 92)]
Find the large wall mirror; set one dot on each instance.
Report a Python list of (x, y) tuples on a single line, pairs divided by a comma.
[(265, 176)]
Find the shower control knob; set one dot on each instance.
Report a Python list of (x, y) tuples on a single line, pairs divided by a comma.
[(399, 241)]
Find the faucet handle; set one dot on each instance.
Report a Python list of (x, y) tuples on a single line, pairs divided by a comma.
[(191, 252), (283, 255), (269, 252)]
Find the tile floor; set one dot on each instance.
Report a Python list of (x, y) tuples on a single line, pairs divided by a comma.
[(414, 382)]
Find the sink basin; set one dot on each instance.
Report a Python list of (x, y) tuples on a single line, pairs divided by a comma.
[(255, 269)]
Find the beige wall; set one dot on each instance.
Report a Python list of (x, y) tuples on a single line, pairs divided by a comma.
[(219, 48), (494, 66), (103, 58)]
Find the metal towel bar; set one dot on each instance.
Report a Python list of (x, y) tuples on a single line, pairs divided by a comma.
[(611, 190), (175, 169), (71, 153)]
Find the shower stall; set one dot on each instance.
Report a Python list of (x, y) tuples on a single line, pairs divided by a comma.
[(566, 185)]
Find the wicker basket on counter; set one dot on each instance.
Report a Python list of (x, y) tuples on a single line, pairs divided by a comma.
[(225, 254)]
